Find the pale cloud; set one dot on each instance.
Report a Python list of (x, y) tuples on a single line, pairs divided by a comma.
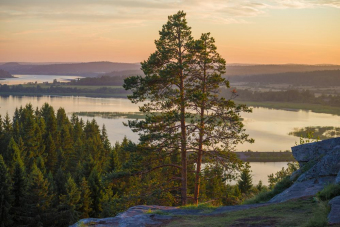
[(142, 11)]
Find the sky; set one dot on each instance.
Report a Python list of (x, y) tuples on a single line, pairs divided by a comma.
[(246, 31)]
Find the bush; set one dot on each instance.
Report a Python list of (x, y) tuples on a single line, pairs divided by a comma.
[(329, 192), (264, 196)]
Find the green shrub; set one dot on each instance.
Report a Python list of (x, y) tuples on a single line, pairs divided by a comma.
[(264, 196), (329, 192)]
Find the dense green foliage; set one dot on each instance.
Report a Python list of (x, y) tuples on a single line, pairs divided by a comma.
[(55, 170)]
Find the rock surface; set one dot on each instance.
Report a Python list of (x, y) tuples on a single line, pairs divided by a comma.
[(337, 179), (142, 215), (307, 152), (329, 165), (334, 215), (302, 189), (134, 216)]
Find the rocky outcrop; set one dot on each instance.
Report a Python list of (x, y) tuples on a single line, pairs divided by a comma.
[(308, 152), (328, 165), (334, 214), (302, 189), (319, 165)]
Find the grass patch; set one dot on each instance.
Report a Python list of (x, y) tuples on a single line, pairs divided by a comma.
[(202, 206), (292, 213), (319, 219), (267, 195), (329, 192)]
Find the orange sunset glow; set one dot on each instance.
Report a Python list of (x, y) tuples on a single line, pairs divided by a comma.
[(270, 31)]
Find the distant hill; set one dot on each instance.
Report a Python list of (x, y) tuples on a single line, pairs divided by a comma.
[(315, 78), (5, 74), (84, 69), (128, 69)]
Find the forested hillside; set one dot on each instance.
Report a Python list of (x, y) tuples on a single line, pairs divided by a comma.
[(315, 78)]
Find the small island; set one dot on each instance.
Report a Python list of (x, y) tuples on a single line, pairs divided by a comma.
[(5, 74)]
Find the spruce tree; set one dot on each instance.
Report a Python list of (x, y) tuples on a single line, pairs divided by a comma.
[(51, 154), (20, 191), (245, 182), (6, 197), (70, 202), (39, 201), (86, 200), (95, 185)]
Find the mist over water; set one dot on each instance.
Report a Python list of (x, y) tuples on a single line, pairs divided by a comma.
[(24, 79)]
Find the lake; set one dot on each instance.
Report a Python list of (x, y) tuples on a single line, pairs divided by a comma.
[(268, 127), (24, 79)]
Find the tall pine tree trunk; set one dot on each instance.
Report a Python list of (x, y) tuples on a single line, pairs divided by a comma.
[(200, 144), (183, 128)]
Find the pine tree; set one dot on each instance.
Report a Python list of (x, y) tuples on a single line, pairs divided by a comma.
[(218, 126), (164, 87), (6, 197)]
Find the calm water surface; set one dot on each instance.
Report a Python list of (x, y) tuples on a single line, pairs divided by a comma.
[(268, 127)]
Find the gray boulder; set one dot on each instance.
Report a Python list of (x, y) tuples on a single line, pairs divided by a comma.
[(329, 165), (334, 214), (134, 216), (311, 151), (337, 179), (302, 189)]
